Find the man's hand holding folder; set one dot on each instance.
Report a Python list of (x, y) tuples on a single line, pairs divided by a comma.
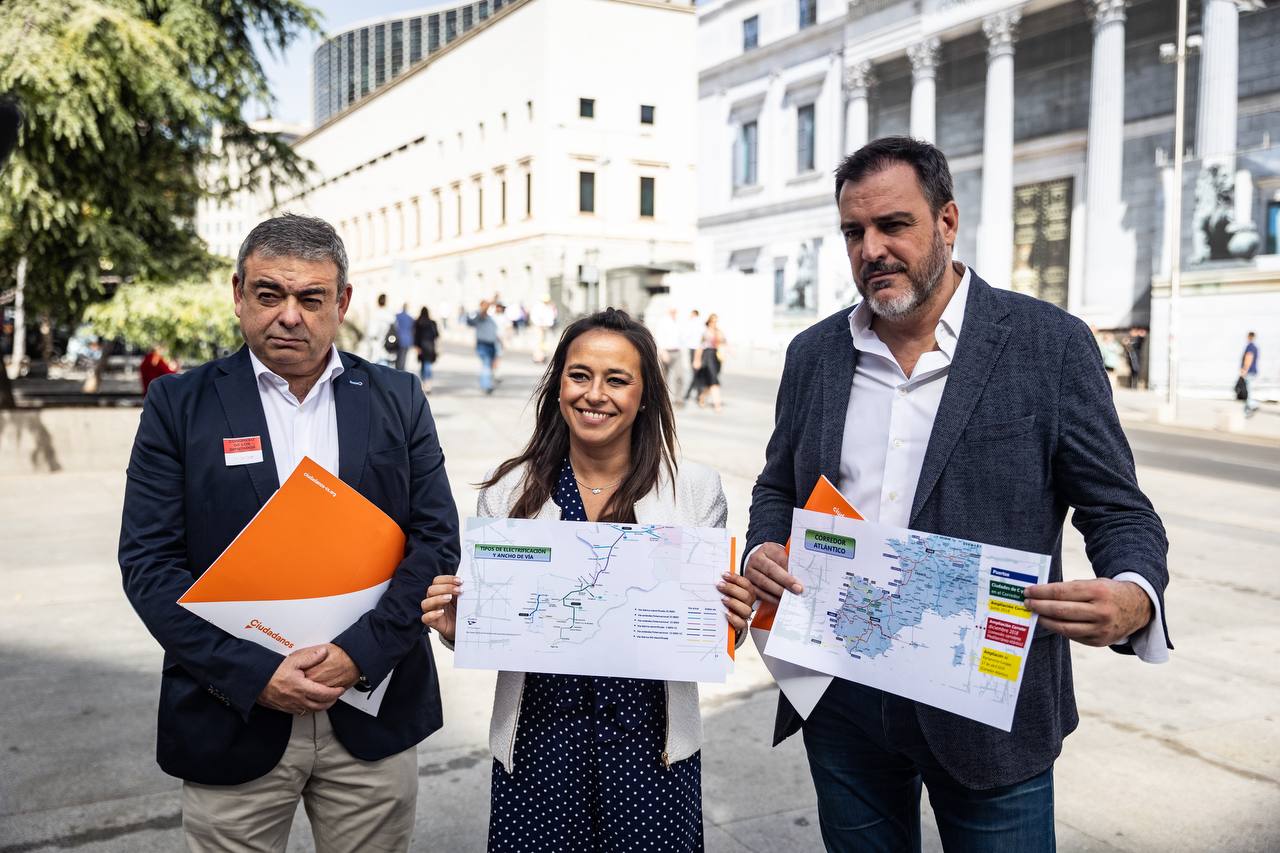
[(767, 570)]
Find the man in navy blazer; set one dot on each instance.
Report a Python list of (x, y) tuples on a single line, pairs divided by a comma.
[(946, 405), (251, 732)]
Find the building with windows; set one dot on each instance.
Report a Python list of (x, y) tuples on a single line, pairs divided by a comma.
[(224, 221), (568, 174), (1057, 119), (350, 64)]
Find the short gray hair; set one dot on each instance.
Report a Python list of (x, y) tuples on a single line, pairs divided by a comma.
[(293, 236)]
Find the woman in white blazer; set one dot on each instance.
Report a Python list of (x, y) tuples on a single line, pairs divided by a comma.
[(587, 763)]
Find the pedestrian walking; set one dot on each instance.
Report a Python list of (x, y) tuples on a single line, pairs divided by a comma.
[(486, 342), (543, 319), (1133, 352), (706, 366), (404, 336), (1249, 373), (425, 336), (591, 763), (675, 360), (378, 344), (691, 341)]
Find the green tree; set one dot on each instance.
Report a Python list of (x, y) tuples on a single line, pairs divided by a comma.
[(193, 321), (122, 98)]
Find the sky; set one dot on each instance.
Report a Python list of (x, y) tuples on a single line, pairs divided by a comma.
[(290, 74)]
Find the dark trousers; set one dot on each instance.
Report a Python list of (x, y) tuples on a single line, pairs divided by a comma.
[(402, 356), (869, 760)]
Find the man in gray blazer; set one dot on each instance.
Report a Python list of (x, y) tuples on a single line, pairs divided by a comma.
[(943, 404)]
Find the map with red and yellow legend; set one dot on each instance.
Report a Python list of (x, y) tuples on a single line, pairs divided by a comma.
[(927, 617)]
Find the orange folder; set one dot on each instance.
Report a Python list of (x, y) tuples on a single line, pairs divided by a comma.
[(315, 558)]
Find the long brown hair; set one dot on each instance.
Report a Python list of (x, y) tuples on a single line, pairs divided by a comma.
[(653, 435)]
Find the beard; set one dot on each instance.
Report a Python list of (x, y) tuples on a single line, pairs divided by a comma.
[(924, 280)]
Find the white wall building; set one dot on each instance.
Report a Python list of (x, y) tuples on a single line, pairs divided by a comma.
[(223, 223), (1056, 117), (529, 156)]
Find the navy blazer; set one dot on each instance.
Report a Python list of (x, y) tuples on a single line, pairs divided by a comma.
[(1025, 429), (183, 505)]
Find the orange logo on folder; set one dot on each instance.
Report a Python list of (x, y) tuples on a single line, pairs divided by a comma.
[(315, 558)]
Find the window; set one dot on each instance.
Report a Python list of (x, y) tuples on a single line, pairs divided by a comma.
[(417, 222), (479, 205), (586, 192), (745, 155), (751, 33), (528, 106), (450, 26), (804, 139), (808, 13), (400, 227), (502, 197), (380, 56), (415, 40), (433, 33), (504, 121), (439, 214), (397, 47), (528, 194), (457, 199), (467, 18), (586, 107), (646, 114), (780, 282), (646, 197)]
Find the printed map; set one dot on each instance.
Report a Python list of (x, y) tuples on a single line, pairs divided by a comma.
[(928, 617), (590, 598)]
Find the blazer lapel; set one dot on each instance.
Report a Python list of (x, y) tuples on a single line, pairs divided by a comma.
[(833, 382), (238, 392), (981, 341), (352, 399)]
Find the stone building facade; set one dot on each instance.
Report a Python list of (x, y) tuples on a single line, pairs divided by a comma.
[(1057, 119)]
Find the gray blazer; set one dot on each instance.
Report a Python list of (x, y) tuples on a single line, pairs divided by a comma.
[(1026, 428)]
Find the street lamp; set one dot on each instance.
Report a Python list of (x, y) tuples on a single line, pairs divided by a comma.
[(1177, 53)]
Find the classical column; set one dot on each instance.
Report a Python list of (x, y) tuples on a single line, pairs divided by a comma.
[(1104, 210), (1219, 65), (995, 237), (830, 116), (858, 79), (924, 72)]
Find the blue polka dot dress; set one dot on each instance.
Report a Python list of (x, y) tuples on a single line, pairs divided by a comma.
[(589, 772)]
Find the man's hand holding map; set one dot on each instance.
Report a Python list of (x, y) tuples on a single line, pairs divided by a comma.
[(932, 618)]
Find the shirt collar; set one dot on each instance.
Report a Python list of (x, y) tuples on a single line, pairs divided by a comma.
[(947, 332), (332, 371)]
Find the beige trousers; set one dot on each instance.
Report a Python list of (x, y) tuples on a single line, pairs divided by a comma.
[(353, 805)]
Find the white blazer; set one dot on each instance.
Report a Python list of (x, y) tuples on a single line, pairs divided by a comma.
[(696, 501)]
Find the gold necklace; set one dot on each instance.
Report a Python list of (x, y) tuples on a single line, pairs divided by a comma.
[(593, 489)]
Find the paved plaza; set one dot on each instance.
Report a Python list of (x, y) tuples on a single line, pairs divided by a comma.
[(1184, 756)]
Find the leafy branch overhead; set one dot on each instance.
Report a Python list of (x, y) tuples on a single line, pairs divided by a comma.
[(128, 105)]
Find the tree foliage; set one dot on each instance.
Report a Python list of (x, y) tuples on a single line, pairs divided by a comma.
[(122, 98), (192, 320)]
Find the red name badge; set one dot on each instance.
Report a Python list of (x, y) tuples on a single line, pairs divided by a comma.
[(242, 451)]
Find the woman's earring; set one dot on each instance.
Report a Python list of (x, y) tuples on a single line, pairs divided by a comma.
[(642, 408)]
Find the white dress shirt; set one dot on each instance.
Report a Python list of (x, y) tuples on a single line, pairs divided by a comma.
[(309, 428), (887, 429)]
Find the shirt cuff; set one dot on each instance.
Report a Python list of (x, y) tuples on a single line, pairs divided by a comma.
[(1150, 644)]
